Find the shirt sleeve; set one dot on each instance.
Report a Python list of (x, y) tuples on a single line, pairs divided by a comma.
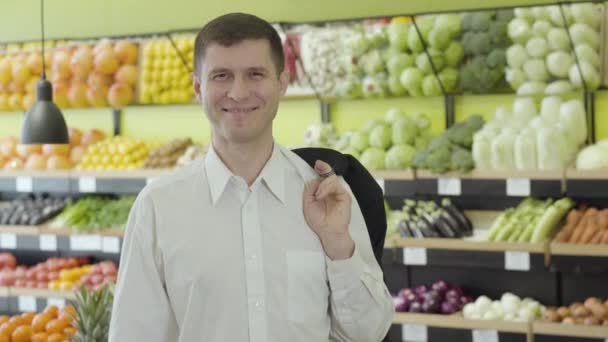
[(361, 305), (141, 309)]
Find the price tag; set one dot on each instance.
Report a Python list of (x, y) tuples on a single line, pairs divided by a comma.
[(485, 335), (519, 187), (381, 184), (414, 256), (517, 261), (27, 303), (449, 186), (58, 302), (24, 184), (414, 333), (87, 184), (85, 242), (48, 242), (110, 244), (8, 241)]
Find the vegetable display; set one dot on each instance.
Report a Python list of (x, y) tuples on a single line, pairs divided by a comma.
[(542, 59), (509, 308), (590, 312), (585, 225), (94, 213), (593, 157), (533, 220), (439, 298), (31, 210)]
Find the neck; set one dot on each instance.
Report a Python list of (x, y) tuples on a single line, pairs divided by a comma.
[(245, 160)]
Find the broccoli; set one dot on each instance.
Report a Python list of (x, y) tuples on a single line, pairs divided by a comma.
[(480, 21), (496, 59), (498, 32), (504, 15), (467, 42), (466, 21), (481, 43), (462, 160), (475, 122)]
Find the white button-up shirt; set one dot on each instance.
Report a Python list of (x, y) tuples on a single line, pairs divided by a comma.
[(207, 258)]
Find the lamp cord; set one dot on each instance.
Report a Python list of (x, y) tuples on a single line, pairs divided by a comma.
[(42, 28)]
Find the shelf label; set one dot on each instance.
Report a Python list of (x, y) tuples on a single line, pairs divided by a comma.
[(8, 241), (24, 184), (110, 244), (85, 242), (27, 303), (380, 183), (414, 256), (48, 242), (517, 261), (414, 333), (485, 335), (519, 187), (58, 302), (87, 184), (449, 186)]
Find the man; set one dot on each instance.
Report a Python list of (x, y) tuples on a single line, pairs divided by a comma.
[(248, 243)]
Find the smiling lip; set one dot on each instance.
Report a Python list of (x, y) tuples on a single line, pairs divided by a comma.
[(239, 110)]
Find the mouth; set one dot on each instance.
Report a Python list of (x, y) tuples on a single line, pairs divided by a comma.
[(240, 110)]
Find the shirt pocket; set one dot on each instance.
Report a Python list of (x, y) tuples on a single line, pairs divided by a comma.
[(307, 287)]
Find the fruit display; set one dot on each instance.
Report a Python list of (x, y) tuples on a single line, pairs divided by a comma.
[(451, 151), (165, 79), (532, 138), (590, 312), (424, 219), (14, 156), (33, 209), (116, 153), (167, 155), (192, 152), (92, 314), (533, 220), (51, 325), (39, 275), (320, 134), (509, 308), (439, 298), (542, 59), (387, 144), (94, 214), (484, 40), (585, 225), (92, 277), (593, 157)]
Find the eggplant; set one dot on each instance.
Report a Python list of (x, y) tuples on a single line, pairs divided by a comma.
[(458, 215), (404, 229), (445, 229)]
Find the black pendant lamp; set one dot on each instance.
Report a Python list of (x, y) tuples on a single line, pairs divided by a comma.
[(44, 122)]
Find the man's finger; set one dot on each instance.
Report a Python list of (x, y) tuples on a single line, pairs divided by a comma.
[(310, 190), (322, 168), (330, 186)]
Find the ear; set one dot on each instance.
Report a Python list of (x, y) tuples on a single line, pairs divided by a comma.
[(284, 81), (196, 84)]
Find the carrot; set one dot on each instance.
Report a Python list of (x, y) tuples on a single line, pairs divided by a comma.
[(597, 238), (603, 219), (605, 238), (578, 230), (572, 220), (591, 229)]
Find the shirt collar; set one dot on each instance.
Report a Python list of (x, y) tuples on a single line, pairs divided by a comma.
[(218, 174)]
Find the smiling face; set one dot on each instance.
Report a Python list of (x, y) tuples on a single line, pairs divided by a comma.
[(240, 90)]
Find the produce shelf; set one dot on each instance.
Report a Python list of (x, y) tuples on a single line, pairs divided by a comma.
[(568, 257), (397, 184), (469, 253), (555, 332), (35, 181), (14, 300), (587, 184), (439, 328)]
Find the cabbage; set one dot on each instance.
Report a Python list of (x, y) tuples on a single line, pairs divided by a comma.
[(424, 63), (558, 39), (524, 13), (592, 157), (531, 88), (537, 47), (481, 150), (404, 131), (519, 30), (393, 114), (431, 86), (541, 28), (549, 155), (450, 23), (536, 70), (395, 87), (587, 13), (399, 157), (559, 63), (380, 137), (581, 34), (556, 16), (414, 42), (572, 115), (356, 44), (550, 107), (586, 53), (439, 38), (590, 75), (372, 62), (373, 159), (369, 126), (540, 13), (525, 151), (516, 56), (569, 145), (515, 77), (359, 141), (501, 116), (422, 121), (502, 151), (411, 78), (398, 62), (449, 78), (453, 54), (558, 87), (397, 34), (524, 109)]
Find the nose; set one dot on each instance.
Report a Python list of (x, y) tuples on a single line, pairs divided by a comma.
[(238, 90)]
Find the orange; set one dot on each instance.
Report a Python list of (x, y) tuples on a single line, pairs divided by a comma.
[(22, 334), (17, 320), (28, 317), (68, 313), (40, 337), (53, 310), (7, 328), (5, 338), (69, 331), (56, 326), (40, 321), (4, 318), (55, 337)]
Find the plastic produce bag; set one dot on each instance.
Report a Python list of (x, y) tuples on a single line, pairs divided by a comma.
[(549, 108), (502, 150), (525, 150), (524, 110), (482, 153), (549, 154), (572, 115)]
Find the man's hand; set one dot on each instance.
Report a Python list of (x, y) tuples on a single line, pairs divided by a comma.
[(327, 209)]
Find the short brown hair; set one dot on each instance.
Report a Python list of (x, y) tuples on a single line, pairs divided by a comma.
[(234, 28)]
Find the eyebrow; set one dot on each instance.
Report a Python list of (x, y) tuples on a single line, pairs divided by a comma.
[(226, 70)]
